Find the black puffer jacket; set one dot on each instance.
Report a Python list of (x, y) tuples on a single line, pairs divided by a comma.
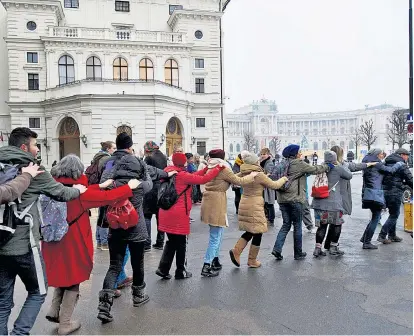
[(396, 183), (159, 162), (126, 167)]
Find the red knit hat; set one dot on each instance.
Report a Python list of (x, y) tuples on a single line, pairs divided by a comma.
[(217, 153), (179, 159)]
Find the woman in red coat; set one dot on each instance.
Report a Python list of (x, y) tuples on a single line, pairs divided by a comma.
[(69, 262), (176, 221)]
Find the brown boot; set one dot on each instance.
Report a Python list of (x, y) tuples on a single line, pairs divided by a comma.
[(252, 261), (66, 324), (236, 252), (53, 314)]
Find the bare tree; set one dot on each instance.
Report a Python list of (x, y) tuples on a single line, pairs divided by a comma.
[(249, 140), (367, 133), (275, 145), (356, 139), (397, 133)]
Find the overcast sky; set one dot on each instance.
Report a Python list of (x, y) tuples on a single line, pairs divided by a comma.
[(316, 55)]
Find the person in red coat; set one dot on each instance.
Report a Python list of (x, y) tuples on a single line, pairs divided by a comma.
[(176, 221), (69, 262)]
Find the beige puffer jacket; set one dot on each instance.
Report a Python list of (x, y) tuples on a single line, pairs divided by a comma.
[(251, 210)]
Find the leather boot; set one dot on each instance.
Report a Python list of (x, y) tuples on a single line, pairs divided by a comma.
[(66, 324), (139, 297), (106, 299), (53, 313), (237, 250), (252, 262)]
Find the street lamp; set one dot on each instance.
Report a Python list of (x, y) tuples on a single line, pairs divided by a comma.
[(162, 139)]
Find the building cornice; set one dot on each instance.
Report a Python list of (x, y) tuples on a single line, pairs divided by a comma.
[(193, 15), (54, 5)]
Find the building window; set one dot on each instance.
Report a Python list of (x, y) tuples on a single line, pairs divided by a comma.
[(174, 7), (32, 57), (324, 146), (200, 122), (122, 6), (342, 144), (171, 72), (33, 81), (333, 143), (238, 148), (201, 147), (71, 3), (231, 148), (351, 145), (124, 129), (93, 68), (31, 25), (199, 63), (315, 146), (199, 85), (39, 153), (66, 70), (120, 69), (146, 69), (198, 34), (34, 122)]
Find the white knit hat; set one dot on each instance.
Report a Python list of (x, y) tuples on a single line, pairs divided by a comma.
[(249, 158)]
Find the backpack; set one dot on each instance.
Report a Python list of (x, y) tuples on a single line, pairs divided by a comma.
[(122, 215), (167, 194), (10, 217), (54, 225), (93, 173), (280, 170), (320, 188)]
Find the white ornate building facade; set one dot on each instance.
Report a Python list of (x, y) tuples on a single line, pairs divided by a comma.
[(80, 71), (312, 131)]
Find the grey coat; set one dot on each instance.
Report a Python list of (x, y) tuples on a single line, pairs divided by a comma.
[(334, 202), (345, 185), (269, 194)]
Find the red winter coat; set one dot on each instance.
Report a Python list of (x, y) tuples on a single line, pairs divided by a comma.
[(70, 261), (177, 219)]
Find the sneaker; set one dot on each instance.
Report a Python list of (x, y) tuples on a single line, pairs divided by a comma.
[(117, 293), (383, 240), (334, 250), (277, 255), (369, 246), (158, 246), (127, 282), (216, 265), (300, 256), (318, 252), (104, 247), (395, 239), (208, 271)]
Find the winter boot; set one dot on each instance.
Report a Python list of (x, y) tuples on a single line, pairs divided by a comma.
[(318, 252), (334, 250), (216, 264), (369, 246), (277, 255), (252, 262), (106, 299), (66, 324), (300, 256), (383, 240), (182, 274), (395, 239), (236, 252), (209, 271), (53, 314), (139, 297)]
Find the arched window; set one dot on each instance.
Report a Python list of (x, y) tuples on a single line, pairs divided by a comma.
[(351, 145), (231, 148), (342, 144), (315, 146), (238, 148), (146, 69), (124, 129), (93, 68), (324, 145), (171, 72), (120, 69), (333, 143), (66, 70)]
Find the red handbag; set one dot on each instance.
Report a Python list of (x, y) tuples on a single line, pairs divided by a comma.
[(122, 215)]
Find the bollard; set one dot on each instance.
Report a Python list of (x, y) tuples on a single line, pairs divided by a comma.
[(408, 216)]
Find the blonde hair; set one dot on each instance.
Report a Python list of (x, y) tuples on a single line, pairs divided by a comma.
[(339, 151)]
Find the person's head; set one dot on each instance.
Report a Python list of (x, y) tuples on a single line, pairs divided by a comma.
[(378, 152), (108, 146), (190, 157), (179, 160), (339, 153), (306, 157), (250, 158), (292, 151), (124, 142), (25, 139), (206, 156), (150, 147), (264, 153), (197, 158), (217, 154), (179, 150), (70, 166), (405, 154), (330, 157)]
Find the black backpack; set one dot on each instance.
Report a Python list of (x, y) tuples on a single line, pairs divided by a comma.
[(167, 194)]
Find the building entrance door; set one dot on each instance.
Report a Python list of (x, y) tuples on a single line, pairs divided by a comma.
[(174, 136), (69, 138)]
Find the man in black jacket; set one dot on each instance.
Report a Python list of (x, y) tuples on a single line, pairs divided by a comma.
[(394, 186)]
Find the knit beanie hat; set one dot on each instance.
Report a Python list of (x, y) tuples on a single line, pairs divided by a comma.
[(291, 151), (249, 158), (217, 154), (179, 159), (330, 157), (189, 155), (150, 146), (123, 141)]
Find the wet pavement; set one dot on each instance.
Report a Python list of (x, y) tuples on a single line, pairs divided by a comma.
[(363, 292)]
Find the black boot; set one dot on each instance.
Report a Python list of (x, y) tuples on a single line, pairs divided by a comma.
[(106, 299), (139, 297), (300, 255), (182, 274), (209, 271), (216, 264)]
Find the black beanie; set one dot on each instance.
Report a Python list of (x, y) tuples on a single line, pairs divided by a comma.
[(123, 141)]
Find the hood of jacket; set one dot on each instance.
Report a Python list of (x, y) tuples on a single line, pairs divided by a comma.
[(370, 158), (246, 168), (263, 163), (393, 158), (14, 155), (330, 157), (98, 156), (67, 180), (129, 167), (212, 163)]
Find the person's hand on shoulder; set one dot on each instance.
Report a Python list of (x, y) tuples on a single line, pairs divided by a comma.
[(32, 169), (80, 187)]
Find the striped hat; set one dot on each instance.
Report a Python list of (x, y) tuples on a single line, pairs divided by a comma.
[(150, 146)]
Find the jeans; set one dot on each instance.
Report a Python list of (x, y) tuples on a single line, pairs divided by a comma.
[(214, 243), (393, 203), (270, 212), (122, 276), (24, 267), (291, 215), (306, 216), (372, 225), (101, 235), (117, 252)]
